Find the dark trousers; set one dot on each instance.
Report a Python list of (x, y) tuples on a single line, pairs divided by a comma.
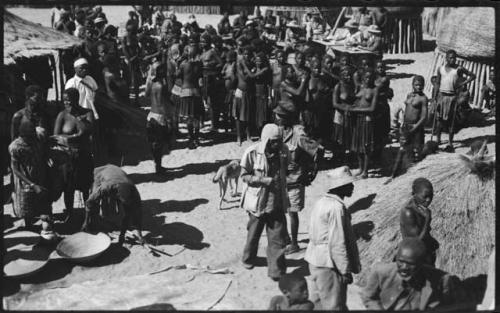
[(275, 224)]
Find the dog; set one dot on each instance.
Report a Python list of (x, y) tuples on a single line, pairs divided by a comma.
[(226, 174)]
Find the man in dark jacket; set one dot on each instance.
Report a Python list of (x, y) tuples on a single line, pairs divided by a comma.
[(408, 284)]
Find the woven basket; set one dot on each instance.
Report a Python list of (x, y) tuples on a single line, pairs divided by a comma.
[(470, 32)]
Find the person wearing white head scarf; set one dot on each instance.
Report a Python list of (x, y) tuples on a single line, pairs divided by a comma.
[(263, 171), (85, 84)]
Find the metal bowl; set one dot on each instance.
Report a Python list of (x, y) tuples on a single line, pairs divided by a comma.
[(83, 247)]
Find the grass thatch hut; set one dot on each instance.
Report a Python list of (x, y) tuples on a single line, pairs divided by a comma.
[(471, 33), (463, 216), (432, 18), (26, 42)]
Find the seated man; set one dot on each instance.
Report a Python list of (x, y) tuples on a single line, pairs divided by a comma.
[(374, 43), (408, 284), (349, 35)]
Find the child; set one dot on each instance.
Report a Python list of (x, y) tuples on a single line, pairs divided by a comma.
[(229, 76), (295, 295), (415, 218), (488, 93), (412, 130)]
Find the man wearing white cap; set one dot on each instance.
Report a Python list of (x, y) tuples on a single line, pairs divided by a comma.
[(85, 84), (263, 171), (332, 252)]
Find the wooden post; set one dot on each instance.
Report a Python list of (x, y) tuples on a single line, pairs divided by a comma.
[(337, 22)]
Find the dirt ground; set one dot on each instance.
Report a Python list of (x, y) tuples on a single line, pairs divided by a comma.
[(181, 217)]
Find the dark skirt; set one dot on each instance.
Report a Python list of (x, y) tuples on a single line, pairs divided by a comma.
[(382, 123), (176, 100), (362, 135), (243, 106), (191, 107), (445, 105), (261, 105), (212, 86), (342, 132), (78, 173)]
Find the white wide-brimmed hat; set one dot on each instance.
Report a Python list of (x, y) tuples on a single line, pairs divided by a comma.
[(293, 24), (340, 176), (351, 24), (373, 29)]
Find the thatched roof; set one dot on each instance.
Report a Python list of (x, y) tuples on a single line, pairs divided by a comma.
[(463, 217), (23, 38), (469, 31)]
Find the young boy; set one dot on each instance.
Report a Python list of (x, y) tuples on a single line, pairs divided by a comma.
[(230, 81), (157, 126), (412, 131), (295, 295), (448, 85), (488, 92), (415, 218)]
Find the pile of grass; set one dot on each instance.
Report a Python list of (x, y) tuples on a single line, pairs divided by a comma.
[(463, 214)]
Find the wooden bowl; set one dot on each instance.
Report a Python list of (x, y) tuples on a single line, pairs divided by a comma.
[(21, 240), (20, 263), (83, 247)]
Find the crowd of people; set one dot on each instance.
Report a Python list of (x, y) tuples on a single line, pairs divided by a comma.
[(238, 76)]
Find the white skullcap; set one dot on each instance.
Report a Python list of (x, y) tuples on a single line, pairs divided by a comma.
[(80, 62)]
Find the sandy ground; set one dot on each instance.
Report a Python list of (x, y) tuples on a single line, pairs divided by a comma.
[(181, 217)]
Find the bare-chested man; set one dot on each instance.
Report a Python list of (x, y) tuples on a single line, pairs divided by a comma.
[(278, 68), (212, 64), (157, 123), (32, 113), (191, 104), (412, 131)]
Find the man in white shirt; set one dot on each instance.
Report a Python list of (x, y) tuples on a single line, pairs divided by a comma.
[(349, 35), (85, 84), (332, 252)]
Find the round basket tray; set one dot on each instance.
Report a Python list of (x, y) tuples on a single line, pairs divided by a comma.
[(83, 247), (21, 240), (20, 263)]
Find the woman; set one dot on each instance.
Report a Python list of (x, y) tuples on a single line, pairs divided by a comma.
[(244, 96), (343, 98), (132, 52), (72, 131), (31, 196), (261, 76), (362, 142), (383, 111), (291, 90)]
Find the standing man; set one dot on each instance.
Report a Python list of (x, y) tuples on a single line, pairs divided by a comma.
[(408, 284), (302, 167), (332, 252), (448, 85), (158, 130), (263, 170), (85, 84), (87, 88)]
